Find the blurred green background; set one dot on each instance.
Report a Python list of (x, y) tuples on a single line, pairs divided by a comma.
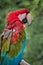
[(33, 53)]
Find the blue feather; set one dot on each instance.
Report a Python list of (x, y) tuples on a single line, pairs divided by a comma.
[(16, 59)]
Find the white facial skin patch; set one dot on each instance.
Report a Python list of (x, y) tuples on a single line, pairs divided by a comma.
[(22, 16)]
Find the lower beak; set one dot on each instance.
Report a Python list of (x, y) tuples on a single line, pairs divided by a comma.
[(29, 18)]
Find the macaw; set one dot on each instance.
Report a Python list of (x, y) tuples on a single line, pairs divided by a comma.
[(13, 39)]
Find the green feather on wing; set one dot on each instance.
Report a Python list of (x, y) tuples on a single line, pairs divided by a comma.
[(5, 43)]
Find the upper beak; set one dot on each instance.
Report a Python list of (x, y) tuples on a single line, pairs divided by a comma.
[(29, 18)]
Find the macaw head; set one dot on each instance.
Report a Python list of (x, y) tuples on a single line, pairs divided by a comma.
[(12, 18)]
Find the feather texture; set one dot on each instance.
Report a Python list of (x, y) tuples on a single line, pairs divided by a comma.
[(11, 53)]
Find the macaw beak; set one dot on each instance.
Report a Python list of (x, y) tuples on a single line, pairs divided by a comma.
[(29, 18)]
